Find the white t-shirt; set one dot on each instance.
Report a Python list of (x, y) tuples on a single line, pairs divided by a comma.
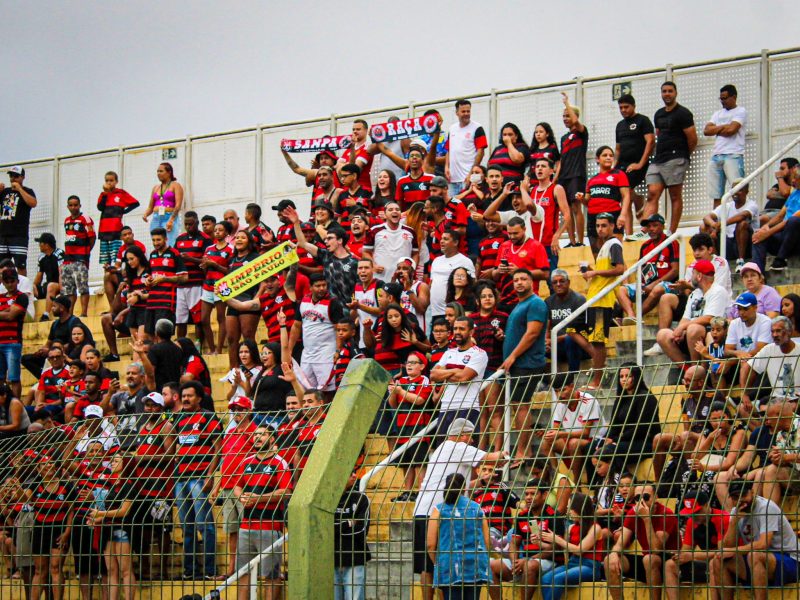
[(713, 303), (450, 457), (782, 369), (390, 245), (462, 150), (748, 206), (527, 216), (463, 396), (732, 144), (745, 338), (722, 273), (384, 162), (767, 517), (441, 267), (588, 410)]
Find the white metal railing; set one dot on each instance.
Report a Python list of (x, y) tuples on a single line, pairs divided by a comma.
[(723, 217), (252, 568)]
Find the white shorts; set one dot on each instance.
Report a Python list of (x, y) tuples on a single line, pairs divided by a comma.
[(209, 297), (318, 374), (187, 305)]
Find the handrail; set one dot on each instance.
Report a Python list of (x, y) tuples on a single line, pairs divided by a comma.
[(398, 452), (723, 215), (604, 292), (214, 594)]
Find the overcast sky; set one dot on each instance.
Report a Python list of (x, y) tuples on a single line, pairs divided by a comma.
[(86, 75)]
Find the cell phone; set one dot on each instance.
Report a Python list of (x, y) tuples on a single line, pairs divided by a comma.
[(504, 262), (115, 375)]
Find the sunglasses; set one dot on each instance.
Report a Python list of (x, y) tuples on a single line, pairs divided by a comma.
[(645, 497)]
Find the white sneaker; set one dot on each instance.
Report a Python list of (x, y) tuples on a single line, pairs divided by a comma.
[(653, 350), (637, 237), (629, 321), (739, 265)]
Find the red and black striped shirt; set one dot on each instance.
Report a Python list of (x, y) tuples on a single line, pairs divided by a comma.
[(167, 264), (221, 256), (497, 502), (193, 246), (11, 331), (52, 508), (262, 476), (303, 441), (196, 433), (501, 158), (113, 206), (489, 250), (264, 236), (79, 237), (90, 478), (410, 190), (361, 197), (154, 468), (411, 418), (270, 307), (344, 355), (51, 382), (485, 328), (286, 233), (550, 152)]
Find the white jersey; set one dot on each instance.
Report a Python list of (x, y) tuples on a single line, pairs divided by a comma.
[(783, 370), (462, 144), (441, 267), (450, 457), (405, 302), (319, 333), (587, 412), (463, 396), (390, 245), (722, 273), (369, 298)]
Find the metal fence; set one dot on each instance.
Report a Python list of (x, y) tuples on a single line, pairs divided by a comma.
[(230, 169)]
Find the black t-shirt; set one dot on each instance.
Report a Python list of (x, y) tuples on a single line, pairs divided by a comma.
[(48, 266), (270, 391), (350, 526), (573, 154), (671, 141), (561, 309), (15, 214), (61, 331), (167, 359), (630, 137)]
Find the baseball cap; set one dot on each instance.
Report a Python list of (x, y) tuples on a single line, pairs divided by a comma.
[(242, 402), (283, 204), (746, 300), (693, 501), (439, 182), (16, 170), (460, 427), (654, 218), (393, 289), (751, 266), (328, 153), (739, 487), (307, 226), (93, 412), (409, 261), (323, 204), (63, 300), (47, 238), (155, 398), (706, 267)]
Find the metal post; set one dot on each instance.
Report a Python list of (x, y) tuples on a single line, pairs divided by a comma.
[(59, 231), (493, 116), (333, 124), (764, 135), (639, 317), (411, 108), (507, 420), (120, 163), (259, 165), (681, 257), (187, 174), (254, 582)]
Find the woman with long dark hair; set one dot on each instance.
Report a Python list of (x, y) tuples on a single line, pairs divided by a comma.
[(244, 374), (242, 324), (458, 543), (137, 269), (194, 366), (269, 389), (544, 145), (166, 200), (461, 289), (14, 418), (415, 218), (385, 186), (399, 334), (790, 308), (511, 155), (215, 264)]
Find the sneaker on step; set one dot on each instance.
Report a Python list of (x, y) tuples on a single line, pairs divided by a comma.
[(739, 265), (111, 358), (44, 317), (654, 350), (637, 237), (778, 264), (630, 321)]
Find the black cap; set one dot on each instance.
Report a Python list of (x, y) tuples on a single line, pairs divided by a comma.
[(739, 487), (283, 204), (47, 238), (63, 300), (654, 218), (439, 182), (323, 204), (393, 289)]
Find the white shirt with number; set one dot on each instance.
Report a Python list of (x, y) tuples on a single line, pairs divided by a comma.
[(463, 396)]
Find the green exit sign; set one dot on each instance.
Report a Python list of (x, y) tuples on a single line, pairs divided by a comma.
[(169, 153), (620, 89)]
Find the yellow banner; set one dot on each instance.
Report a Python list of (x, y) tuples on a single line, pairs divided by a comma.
[(253, 273)]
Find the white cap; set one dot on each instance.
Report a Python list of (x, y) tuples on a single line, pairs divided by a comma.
[(460, 427), (409, 260), (156, 398), (93, 411), (17, 170)]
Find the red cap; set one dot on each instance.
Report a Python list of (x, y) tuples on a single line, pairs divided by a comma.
[(421, 357), (329, 153), (706, 267), (242, 402)]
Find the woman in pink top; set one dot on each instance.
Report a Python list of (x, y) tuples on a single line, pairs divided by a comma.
[(165, 204)]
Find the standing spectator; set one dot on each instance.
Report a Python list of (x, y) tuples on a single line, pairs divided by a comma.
[(466, 144), (442, 266), (740, 215), (749, 332), (519, 252), (416, 295), (395, 336), (242, 324), (350, 548), (13, 307), (523, 354), (458, 543), (360, 154), (79, 239), (572, 172), (398, 148), (445, 213), (286, 230), (350, 198), (167, 272), (16, 202), (364, 305), (47, 283), (111, 275), (608, 265), (511, 155), (676, 140), (607, 192), (359, 228), (164, 358), (636, 139), (242, 377), (232, 217), (489, 248), (214, 264), (522, 206), (728, 126), (60, 331), (191, 245), (325, 159), (264, 236), (415, 185), (543, 145), (436, 142), (572, 342), (113, 203), (552, 198), (166, 200), (389, 242), (137, 274), (198, 452), (780, 235)]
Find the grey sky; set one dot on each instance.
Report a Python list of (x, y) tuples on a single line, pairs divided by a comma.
[(84, 75)]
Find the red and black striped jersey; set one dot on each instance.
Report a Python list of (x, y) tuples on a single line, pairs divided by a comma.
[(497, 502), (605, 192), (356, 247), (137, 285), (285, 438), (196, 433), (72, 390), (51, 382), (489, 250), (455, 215), (361, 197), (221, 256), (264, 236), (344, 355), (193, 246), (270, 307), (411, 418), (11, 331), (286, 233), (437, 352), (485, 328), (167, 264), (364, 161), (113, 206), (261, 476), (123, 248), (502, 158), (303, 441), (154, 468), (79, 237), (550, 152), (573, 154), (410, 190), (52, 508), (527, 528), (316, 189), (197, 369), (90, 478)]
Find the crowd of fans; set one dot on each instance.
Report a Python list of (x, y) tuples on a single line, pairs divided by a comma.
[(434, 268)]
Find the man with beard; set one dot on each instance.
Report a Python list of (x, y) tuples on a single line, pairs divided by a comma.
[(127, 403), (365, 297), (358, 154), (359, 233), (519, 252), (415, 186), (325, 159), (389, 241)]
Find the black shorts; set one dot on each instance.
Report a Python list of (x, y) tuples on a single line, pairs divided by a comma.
[(695, 571), (232, 312), (523, 383), (16, 248), (591, 318), (152, 317), (122, 329), (682, 300), (591, 224), (637, 570), (45, 538), (573, 185), (415, 455), (635, 178), (87, 549), (136, 317), (422, 560)]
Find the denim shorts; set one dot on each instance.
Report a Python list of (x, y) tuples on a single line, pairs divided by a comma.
[(121, 536), (722, 168), (10, 355)]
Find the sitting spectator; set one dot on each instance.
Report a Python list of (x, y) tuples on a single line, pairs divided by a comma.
[(780, 235), (572, 341), (128, 404), (760, 549), (79, 344), (780, 191), (47, 282), (769, 300), (720, 445), (790, 308), (740, 216), (60, 331), (748, 333), (655, 528), (14, 420), (48, 392), (497, 501), (708, 300), (613, 494)]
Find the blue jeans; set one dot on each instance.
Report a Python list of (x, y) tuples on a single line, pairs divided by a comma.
[(556, 581), (195, 514), (10, 355), (574, 353), (157, 220), (722, 168), (349, 583), (455, 188), (783, 244)]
